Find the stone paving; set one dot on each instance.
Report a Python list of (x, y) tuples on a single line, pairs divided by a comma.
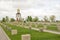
[(37, 29), (3, 35), (54, 32)]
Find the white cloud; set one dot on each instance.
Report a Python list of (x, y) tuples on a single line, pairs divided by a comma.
[(30, 7)]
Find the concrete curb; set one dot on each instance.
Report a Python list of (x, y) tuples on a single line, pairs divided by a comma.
[(5, 33)]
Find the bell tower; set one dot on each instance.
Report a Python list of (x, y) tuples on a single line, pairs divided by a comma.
[(18, 15)]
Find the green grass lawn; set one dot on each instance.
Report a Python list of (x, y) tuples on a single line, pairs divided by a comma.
[(35, 35), (52, 27), (38, 25)]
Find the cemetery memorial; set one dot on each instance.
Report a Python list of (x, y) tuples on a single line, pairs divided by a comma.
[(58, 27), (19, 33), (26, 37), (31, 27), (9, 28), (14, 32)]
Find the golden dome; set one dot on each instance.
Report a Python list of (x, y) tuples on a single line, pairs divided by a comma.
[(18, 10)]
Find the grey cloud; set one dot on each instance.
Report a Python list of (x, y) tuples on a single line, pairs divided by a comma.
[(29, 4), (44, 7), (9, 0), (6, 10), (3, 9)]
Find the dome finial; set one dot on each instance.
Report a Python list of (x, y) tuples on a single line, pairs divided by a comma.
[(18, 10)]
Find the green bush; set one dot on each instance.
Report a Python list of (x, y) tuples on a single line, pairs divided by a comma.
[(40, 25), (33, 25)]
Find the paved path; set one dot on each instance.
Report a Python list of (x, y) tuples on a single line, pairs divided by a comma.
[(3, 35), (47, 31), (37, 29), (52, 31)]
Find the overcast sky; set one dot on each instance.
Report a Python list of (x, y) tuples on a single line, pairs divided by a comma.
[(32, 8)]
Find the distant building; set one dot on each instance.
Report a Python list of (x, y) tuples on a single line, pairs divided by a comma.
[(18, 15)]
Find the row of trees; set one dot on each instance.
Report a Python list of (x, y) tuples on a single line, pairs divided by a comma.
[(30, 19), (7, 19), (51, 18), (46, 19)]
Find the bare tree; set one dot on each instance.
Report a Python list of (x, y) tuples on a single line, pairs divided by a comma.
[(7, 18), (52, 18), (45, 19), (35, 19)]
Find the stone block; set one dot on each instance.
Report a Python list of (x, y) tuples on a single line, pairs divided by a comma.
[(8, 28), (26, 37), (14, 32)]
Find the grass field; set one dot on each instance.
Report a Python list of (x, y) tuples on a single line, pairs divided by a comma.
[(52, 27), (35, 35)]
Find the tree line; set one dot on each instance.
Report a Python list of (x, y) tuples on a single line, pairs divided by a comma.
[(52, 18), (7, 19)]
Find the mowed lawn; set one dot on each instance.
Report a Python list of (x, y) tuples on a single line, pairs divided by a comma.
[(35, 35), (52, 27)]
